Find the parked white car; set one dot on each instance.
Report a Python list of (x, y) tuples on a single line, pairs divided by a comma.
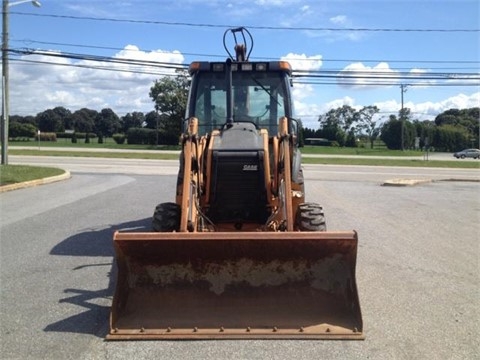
[(467, 153)]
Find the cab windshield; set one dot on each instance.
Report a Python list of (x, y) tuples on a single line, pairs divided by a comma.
[(258, 97)]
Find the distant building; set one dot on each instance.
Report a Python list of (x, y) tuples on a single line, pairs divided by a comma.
[(317, 141)]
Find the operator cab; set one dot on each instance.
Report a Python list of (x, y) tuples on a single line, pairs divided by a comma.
[(260, 94)]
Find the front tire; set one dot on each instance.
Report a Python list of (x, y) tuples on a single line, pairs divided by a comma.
[(310, 217), (166, 217)]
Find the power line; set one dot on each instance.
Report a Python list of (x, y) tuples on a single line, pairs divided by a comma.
[(317, 78), (189, 24), (98, 58), (380, 83), (30, 41), (369, 74), (312, 74), (92, 67)]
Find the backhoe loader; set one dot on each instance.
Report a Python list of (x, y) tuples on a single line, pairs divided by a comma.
[(239, 253)]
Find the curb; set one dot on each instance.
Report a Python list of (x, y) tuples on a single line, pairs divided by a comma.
[(66, 175), (405, 182), (412, 182)]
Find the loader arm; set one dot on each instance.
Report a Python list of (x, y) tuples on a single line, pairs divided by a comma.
[(191, 183), (285, 180)]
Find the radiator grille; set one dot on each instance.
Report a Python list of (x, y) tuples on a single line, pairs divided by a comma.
[(238, 187)]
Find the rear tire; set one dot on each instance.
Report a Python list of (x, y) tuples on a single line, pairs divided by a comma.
[(310, 217), (166, 217)]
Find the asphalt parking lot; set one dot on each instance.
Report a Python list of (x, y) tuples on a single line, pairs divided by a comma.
[(416, 269)]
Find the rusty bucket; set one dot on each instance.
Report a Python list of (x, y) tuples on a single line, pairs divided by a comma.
[(236, 285)]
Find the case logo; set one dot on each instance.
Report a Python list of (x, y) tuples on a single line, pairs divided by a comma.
[(250, 167)]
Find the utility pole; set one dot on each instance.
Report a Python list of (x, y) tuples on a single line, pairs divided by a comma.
[(403, 89), (5, 93), (5, 80)]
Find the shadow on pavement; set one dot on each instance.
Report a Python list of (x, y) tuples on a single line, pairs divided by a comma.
[(91, 243)]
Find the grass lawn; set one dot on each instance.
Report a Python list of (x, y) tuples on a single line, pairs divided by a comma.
[(108, 143), (118, 155), (10, 174), (380, 151)]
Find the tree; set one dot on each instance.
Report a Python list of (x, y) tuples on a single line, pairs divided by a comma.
[(53, 120), (425, 130), (132, 120), (107, 123), (366, 124), (346, 116), (450, 138), (17, 129), (466, 119), (84, 120), (351, 140), (310, 133), (399, 133), (336, 123), (151, 119), (390, 133), (24, 120), (170, 98)]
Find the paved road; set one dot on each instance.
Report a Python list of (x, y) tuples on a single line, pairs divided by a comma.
[(420, 156), (170, 167), (417, 269)]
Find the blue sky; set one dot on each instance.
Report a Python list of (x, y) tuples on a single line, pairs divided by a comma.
[(185, 30)]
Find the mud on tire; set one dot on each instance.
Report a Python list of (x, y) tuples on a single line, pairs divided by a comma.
[(166, 217), (310, 217)]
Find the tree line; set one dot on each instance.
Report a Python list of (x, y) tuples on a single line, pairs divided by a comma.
[(452, 130), (161, 125)]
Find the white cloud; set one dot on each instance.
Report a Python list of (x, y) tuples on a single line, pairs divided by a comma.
[(303, 62), (346, 100), (460, 101), (338, 20), (278, 3), (358, 75), (305, 8), (430, 109), (415, 74), (73, 84)]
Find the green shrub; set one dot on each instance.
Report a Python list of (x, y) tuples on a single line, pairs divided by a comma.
[(17, 130), (119, 138), (141, 136), (64, 135), (47, 136), (169, 138)]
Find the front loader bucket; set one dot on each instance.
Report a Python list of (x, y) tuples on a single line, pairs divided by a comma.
[(236, 285)]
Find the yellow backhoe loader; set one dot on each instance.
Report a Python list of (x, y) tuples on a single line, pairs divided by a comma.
[(239, 254)]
